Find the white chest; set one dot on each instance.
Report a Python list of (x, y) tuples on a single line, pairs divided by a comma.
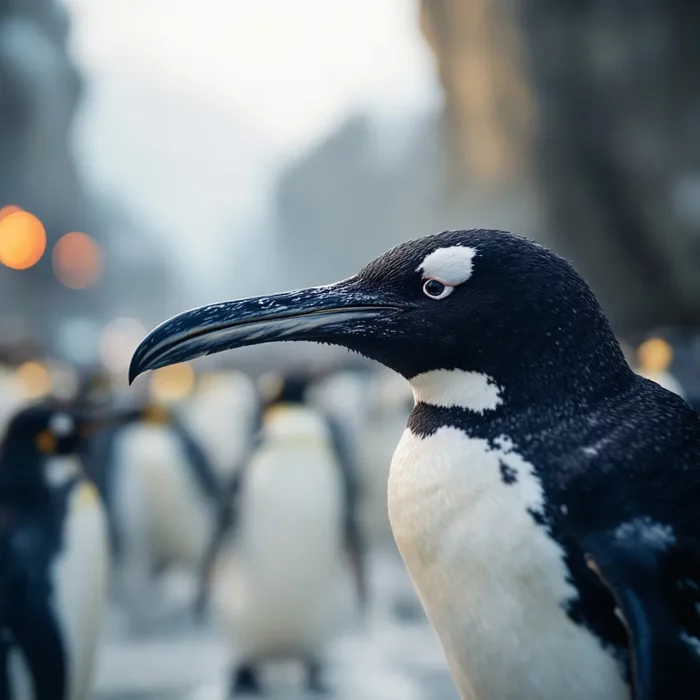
[(293, 495), (492, 581), (276, 579), (162, 514), (80, 579)]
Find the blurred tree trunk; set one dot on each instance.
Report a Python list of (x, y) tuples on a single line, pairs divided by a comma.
[(618, 149), (487, 100), (610, 93)]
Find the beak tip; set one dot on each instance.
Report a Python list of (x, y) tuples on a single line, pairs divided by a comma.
[(145, 358), (135, 369)]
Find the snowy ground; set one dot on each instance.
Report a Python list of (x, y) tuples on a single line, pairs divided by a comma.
[(391, 654)]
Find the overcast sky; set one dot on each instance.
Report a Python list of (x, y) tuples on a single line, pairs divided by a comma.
[(192, 105)]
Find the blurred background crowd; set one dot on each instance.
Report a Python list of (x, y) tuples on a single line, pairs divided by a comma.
[(159, 154)]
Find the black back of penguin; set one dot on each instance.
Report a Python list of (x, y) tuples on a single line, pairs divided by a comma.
[(33, 512)]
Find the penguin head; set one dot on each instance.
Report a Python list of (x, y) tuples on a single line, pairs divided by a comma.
[(94, 387), (153, 413), (34, 437), (40, 446), (287, 388), (478, 300), (48, 430), (52, 429), (285, 412)]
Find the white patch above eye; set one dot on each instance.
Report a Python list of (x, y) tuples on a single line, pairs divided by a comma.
[(456, 388), (61, 424), (451, 266)]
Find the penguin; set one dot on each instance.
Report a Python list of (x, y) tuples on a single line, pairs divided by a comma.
[(543, 496), (289, 513), (221, 415), (54, 560), (342, 396), (373, 408), (390, 404), (162, 493), (94, 387), (671, 357), (138, 467), (95, 392)]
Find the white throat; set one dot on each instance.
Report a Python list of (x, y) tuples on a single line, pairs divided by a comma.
[(457, 388), (60, 470)]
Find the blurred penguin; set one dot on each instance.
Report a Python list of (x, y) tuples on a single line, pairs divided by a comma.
[(389, 404), (343, 395), (671, 357), (54, 556), (162, 494), (95, 392), (372, 407), (221, 415), (287, 522)]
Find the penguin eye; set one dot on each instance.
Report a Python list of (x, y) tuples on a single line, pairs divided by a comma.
[(436, 289)]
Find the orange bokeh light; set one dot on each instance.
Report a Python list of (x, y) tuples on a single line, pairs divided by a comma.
[(77, 260), (22, 239), (9, 209)]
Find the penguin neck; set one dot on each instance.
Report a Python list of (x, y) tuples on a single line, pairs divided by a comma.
[(293, 422), (562, 378)]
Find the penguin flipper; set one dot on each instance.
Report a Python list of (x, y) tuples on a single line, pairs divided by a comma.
[(226, 520), (663, 662), (200, 465), (355, 552)]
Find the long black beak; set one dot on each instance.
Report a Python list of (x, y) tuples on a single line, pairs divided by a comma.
[(326, 314)]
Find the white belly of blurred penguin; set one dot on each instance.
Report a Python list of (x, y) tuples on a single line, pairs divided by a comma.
[(275, 583), (162, 515), (500, 612), (81, 577)]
